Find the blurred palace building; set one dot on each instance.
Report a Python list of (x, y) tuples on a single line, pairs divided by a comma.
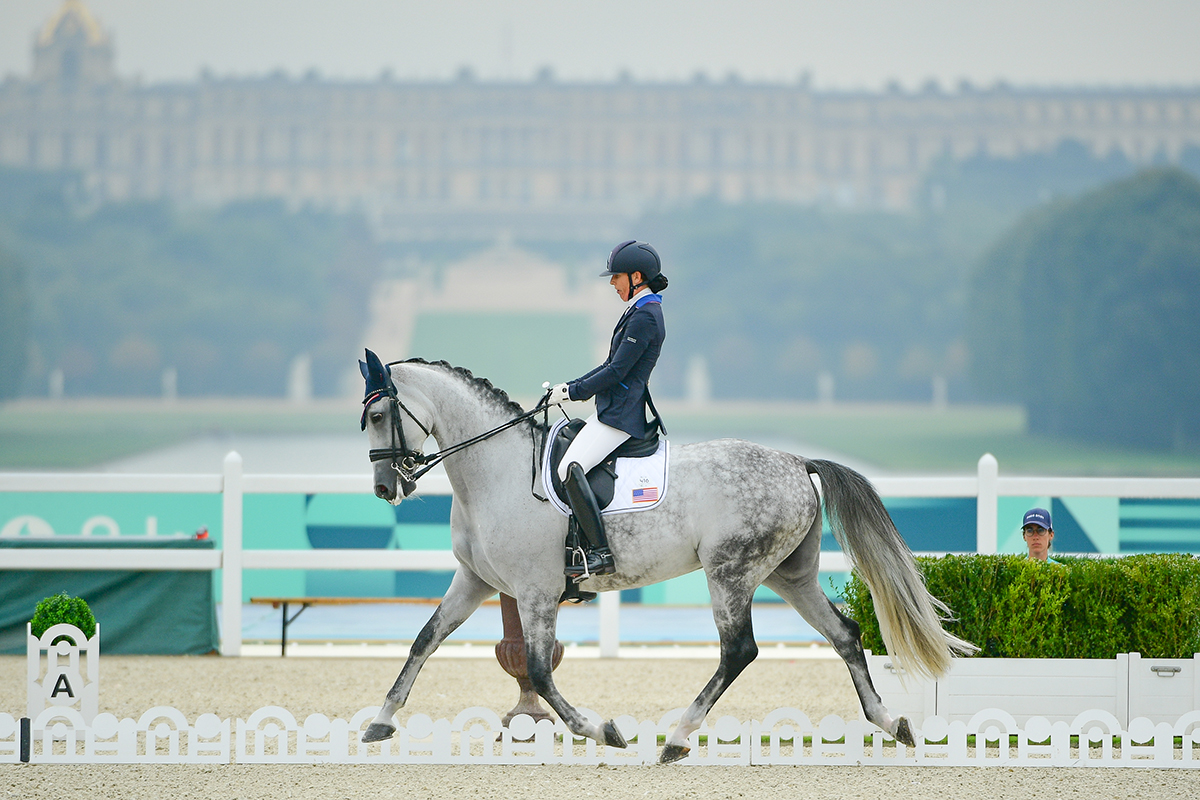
[(542, 159)]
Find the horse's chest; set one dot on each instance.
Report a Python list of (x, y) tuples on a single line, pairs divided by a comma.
[(495, 546)]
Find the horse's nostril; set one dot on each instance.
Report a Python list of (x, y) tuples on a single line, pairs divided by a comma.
[(381, 491)]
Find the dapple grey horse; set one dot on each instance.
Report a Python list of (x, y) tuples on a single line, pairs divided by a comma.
[(745, 514)]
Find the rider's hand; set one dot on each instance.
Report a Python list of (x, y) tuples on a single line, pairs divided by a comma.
[(560, 393)]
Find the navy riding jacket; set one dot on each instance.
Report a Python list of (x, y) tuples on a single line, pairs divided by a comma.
[(619, 384)]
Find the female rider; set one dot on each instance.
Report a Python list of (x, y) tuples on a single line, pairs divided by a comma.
[(620, 388)]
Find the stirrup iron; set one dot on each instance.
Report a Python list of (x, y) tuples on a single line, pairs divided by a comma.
[(578, 558)]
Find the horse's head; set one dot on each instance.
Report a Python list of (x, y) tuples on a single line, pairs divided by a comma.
[(394, 432)]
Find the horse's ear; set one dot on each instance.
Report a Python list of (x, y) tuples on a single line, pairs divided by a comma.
[(378, 376), (362, 367)]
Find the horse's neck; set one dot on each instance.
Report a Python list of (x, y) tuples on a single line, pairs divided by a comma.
[(456, 411), (459, 414)]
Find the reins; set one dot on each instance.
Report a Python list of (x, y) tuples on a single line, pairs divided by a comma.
[(412, 464)]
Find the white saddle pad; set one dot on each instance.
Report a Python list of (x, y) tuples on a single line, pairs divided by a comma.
[(641, 482)]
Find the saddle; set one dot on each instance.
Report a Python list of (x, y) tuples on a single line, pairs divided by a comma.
[(603, 477)]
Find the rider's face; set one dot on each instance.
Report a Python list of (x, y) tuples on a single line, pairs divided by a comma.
[(623, 283)]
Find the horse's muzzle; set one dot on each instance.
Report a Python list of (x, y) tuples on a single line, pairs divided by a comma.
[(385, 492)]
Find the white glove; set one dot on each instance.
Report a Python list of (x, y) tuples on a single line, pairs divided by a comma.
[(560, 393)]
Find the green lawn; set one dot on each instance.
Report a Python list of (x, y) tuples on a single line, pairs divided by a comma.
[(79, 434), (919, 438), (497, 346)]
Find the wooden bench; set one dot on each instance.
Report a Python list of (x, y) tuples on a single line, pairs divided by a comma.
[(306, 602)]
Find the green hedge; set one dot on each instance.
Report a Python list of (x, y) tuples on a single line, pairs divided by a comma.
[(1015, 607)]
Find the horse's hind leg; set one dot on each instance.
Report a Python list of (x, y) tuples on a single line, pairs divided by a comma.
[(731, 611), (465, 594), (796, 581), (539, 616)]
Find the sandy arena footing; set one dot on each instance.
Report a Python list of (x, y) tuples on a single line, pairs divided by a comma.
[(645, 688)]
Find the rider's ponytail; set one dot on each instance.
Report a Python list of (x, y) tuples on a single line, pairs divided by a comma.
[(657, 283)]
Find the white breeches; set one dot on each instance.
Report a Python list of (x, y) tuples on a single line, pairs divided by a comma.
[(591, 446)]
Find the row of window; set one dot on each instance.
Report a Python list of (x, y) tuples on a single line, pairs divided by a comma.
[(588, 103), (327, 149), (510, 191), (298, 148)]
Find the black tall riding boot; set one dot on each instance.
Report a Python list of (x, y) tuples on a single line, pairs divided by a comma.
[(598, 559)]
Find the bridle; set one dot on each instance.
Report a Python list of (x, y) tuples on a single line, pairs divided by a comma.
[(404, 460), (412, 464)]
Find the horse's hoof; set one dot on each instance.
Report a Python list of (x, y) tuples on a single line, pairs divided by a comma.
[(612, 736), (904, 734), (377, 732), (674, 752)]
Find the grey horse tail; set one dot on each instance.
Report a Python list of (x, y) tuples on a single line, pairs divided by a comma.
[(910, 618)]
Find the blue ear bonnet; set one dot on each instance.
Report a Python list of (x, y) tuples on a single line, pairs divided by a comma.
[(379, 377), (379, 382)]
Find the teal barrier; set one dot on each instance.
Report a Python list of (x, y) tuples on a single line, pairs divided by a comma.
[(293, 521)]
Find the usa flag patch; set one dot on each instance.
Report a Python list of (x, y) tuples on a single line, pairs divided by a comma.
[(646, 495)]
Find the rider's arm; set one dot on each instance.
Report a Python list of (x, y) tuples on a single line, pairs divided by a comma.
[(642, 328)]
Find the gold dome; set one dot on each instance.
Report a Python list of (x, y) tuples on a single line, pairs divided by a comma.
[(72, 16)]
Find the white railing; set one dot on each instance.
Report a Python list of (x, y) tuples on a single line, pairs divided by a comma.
[(233, 558)]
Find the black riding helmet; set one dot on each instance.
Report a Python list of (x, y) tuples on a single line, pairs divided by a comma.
[(633, 256)]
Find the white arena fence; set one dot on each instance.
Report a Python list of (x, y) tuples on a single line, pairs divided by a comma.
[(272, 735), (232, 558)]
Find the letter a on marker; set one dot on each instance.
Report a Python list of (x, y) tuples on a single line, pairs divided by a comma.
[(62, 685)]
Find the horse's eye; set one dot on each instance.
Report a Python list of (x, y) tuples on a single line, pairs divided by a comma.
[(376, 417)]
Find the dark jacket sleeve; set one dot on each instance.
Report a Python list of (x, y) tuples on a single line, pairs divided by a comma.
[(639, 332), (590, 374)]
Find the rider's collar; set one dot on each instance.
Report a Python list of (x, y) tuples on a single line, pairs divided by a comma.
[(643, 296)]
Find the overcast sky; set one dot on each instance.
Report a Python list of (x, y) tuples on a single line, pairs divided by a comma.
[(841, 43)]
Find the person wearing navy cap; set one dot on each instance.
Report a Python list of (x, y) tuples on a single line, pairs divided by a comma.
[(1038, 532), (620, 386)]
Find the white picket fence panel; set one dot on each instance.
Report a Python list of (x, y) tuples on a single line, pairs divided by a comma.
[(233, 558), (272, 735)]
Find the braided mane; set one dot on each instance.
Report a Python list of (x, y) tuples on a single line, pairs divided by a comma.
[(485, 387)]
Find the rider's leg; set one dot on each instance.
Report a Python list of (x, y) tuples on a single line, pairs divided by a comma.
[(591, 446), (598, 558)]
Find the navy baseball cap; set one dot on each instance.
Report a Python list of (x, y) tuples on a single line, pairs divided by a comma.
[(1038, 516)]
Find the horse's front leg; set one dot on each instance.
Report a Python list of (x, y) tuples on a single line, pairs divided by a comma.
[(539, 615), (731, 611), (465, 594)]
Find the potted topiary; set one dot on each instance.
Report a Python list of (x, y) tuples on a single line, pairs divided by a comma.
[(62, 608), (64, 628)]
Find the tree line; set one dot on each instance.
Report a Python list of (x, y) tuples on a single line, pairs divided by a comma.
[(1060, 280), (227, 297), (1086, 312)]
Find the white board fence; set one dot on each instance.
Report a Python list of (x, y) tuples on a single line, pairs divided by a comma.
[(232, 558)]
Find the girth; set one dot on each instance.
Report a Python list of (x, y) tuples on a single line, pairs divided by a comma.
[(603, 477)]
